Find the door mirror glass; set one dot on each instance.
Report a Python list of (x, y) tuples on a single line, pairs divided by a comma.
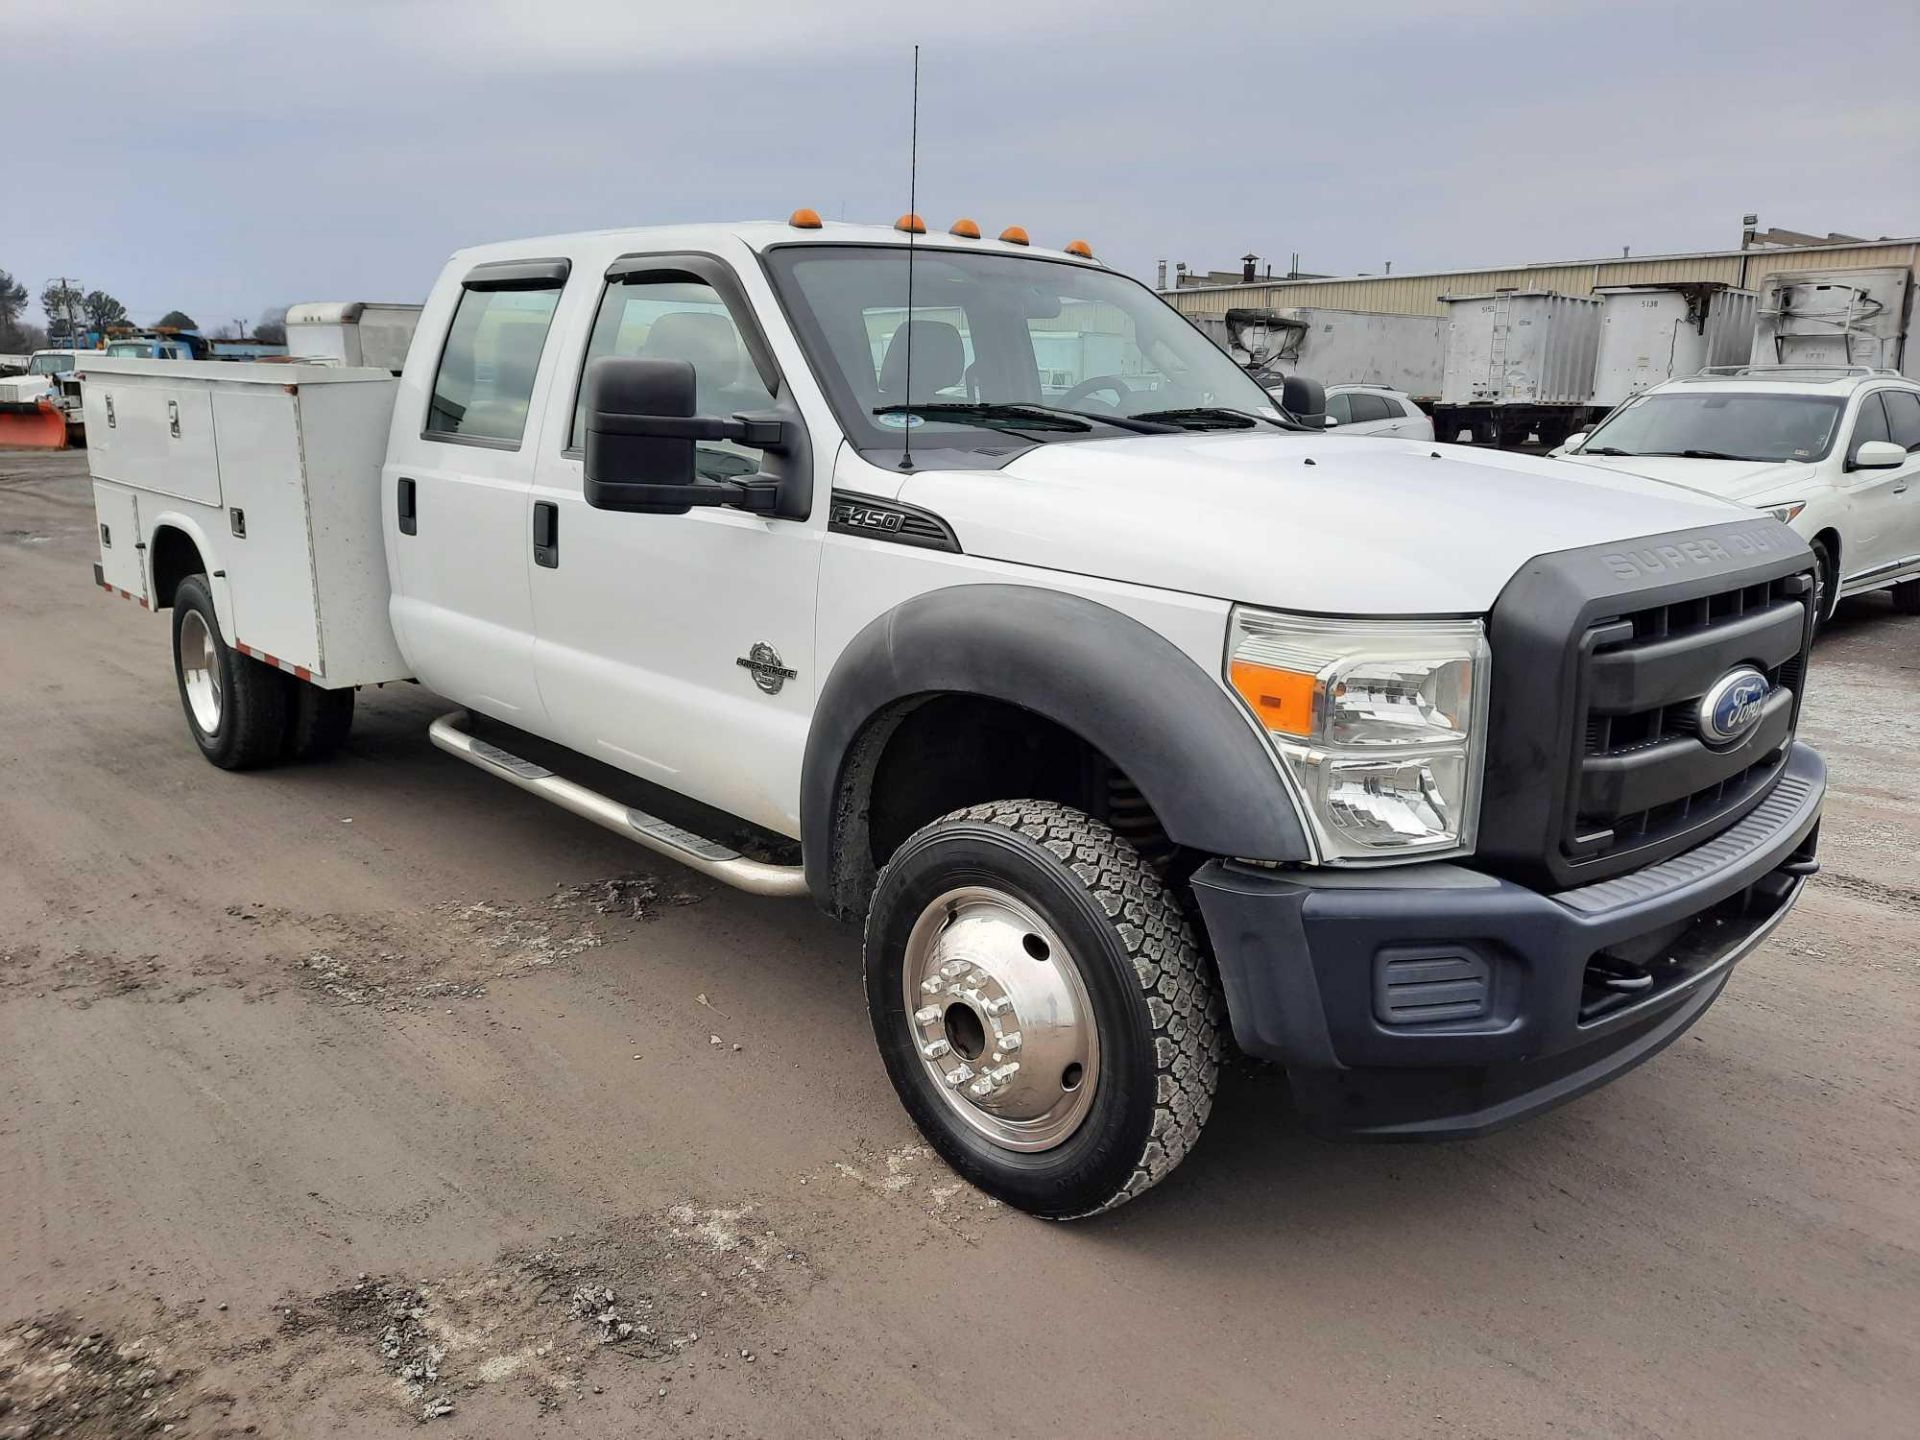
[(1574, 442), (1879, 455)]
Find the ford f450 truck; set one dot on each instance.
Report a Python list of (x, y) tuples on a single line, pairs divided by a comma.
[(999, 611)]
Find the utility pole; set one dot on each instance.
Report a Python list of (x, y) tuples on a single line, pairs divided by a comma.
[(66, 294)]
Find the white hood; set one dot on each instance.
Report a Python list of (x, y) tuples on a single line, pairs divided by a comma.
[(1302, 522), (1728, 479)]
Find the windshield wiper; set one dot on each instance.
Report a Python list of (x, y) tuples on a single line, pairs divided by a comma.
[(1605, 450), (1701, 455), (1203, 417), (1025, 415), (993, 415)]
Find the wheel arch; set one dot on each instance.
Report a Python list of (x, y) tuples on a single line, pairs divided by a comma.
[(177, 547), (1167, 726), (1829, 536)]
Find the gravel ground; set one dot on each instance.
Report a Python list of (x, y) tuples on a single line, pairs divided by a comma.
[(375, 1095)]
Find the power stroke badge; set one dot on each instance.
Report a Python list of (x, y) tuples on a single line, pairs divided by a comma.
[(763, 663)]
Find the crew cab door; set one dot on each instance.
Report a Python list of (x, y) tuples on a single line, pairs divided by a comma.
[(455, 486), (678, 648)]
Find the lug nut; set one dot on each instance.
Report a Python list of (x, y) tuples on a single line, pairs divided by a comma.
[(959, 1075), (927, 1014), (1009, 1042), (934, 1049)]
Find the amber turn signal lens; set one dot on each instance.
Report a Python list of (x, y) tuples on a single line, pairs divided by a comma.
[(804, 219), (965, 229), (1080, 248), (1014, 235), (1283, 699), (911, 223)]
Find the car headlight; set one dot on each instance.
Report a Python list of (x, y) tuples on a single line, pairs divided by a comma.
[(1786, 513), (1380, 724)]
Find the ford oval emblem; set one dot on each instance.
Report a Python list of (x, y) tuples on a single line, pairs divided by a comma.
[(1732, 706)]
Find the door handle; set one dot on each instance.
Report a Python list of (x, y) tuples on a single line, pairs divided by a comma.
[(409, 517), (546, 534)]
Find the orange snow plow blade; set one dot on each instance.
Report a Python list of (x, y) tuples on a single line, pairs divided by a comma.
[(40, 427)]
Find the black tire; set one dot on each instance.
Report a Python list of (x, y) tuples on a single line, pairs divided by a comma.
[(1906, 597), (1150, 990), (1824, 585), (247, 723), (317, 722)]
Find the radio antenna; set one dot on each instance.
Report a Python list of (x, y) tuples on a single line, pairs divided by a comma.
[(913, 225)]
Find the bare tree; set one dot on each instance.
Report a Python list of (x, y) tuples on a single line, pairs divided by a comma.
[(273, 326)]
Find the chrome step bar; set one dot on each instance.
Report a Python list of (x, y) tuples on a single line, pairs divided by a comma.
[(756, 877)]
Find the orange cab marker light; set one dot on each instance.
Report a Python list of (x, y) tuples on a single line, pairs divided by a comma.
[(912, 224), (1080, 248), (965, 229), (1283, 699), (804, 219), (1014, 235)]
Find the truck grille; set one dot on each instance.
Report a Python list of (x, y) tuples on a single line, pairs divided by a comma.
[(1644, 773), (1601, 656)]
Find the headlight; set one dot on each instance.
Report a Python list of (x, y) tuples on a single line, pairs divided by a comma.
[(1381, 725), (1785, 513)]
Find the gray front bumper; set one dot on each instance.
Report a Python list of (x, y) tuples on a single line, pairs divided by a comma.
[(1308, 962)]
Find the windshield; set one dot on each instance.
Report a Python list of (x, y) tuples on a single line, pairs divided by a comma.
[(54, 363), (1046, 350), (130, 347), (1717, 425)]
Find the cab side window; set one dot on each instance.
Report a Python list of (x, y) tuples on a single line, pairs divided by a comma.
[(1903, 417), (485, 382), (659, 317)]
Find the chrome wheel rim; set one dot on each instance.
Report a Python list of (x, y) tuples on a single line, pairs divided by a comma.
[(999, 1013), (200, 671)]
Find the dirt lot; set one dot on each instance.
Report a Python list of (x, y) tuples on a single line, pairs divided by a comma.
[(332, 1099)]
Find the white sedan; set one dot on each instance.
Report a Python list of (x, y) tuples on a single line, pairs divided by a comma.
[(1835, 453)]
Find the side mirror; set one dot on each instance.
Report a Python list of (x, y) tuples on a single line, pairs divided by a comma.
[(640, 434), (1327, 422), (1878, 455), (1572, 442), (1303, 398)]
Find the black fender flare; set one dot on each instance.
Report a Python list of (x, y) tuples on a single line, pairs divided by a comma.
[(1168, 724)]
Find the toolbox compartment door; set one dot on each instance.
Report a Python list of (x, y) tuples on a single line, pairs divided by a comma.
[(269, 553), (122, 560), (144, 432)]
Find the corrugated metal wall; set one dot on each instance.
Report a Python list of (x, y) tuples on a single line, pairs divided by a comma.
[(1419, 294)]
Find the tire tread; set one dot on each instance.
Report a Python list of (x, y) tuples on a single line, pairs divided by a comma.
[(1184, 1006)]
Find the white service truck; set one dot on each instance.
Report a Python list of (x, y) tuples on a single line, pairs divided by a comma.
[(1119, 714)]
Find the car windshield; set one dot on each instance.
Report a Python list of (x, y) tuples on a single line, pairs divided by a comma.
[(1044, 350), (1721, 425), (56, 363)]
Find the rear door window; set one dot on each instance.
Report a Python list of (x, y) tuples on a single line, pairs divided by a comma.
[(1340, 409), (1369, 407), (492, 356)]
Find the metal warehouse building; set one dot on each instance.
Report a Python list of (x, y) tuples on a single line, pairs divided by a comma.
[(1419, 294)]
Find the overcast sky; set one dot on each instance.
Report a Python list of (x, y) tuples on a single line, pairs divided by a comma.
[(222, 156)]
